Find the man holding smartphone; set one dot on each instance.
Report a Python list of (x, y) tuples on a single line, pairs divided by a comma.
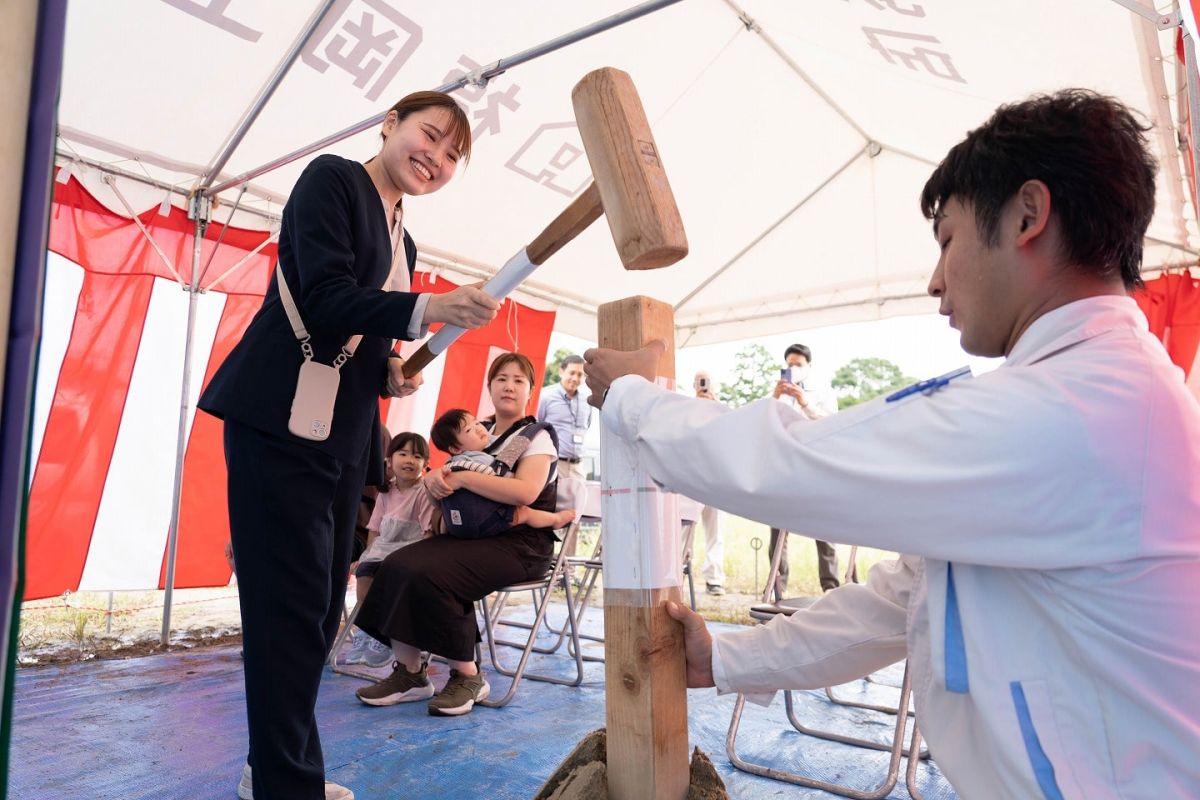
[(714, 541), (814, 400)]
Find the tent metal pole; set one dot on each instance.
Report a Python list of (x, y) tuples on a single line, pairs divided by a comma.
[(480, 77), (109, 169), (753, 26), (264, 95), (753, 242), (1193, 92), (202, 210)]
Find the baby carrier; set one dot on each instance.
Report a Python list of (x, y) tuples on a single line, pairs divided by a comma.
[(470, 516)]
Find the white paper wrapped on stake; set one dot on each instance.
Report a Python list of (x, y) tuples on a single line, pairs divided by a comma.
[(642, 534)]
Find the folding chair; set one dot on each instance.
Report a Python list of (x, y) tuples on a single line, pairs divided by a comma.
[(766, 611), (540, 589)]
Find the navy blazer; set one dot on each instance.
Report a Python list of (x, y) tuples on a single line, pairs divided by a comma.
[(335, 252)]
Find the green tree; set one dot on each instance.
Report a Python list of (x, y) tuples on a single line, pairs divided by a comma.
[(553, 364), (864, 378), (755, 374)]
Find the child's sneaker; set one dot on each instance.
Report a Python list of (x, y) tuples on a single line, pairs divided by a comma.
[(401, 686), (376, 653), (357, 652), (460, 694)]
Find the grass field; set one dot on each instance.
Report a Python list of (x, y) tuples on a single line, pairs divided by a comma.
[(741, 558)]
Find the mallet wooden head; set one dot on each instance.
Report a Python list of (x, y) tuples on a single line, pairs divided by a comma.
[(630, 183)]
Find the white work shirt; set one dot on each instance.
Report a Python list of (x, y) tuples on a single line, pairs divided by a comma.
[(1051, 608)]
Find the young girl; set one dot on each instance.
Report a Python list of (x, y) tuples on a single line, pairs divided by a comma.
[(403, 514)]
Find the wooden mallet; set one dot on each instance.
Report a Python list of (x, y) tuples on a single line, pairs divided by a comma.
[(630, 188)]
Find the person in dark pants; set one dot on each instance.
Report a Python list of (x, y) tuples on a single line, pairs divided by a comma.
[(293, 499), (423, 597), (814, 400)]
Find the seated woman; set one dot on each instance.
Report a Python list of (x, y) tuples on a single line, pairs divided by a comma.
[(423, 597)]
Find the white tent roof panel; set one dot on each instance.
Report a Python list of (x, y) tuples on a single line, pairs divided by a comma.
[(744, 137)]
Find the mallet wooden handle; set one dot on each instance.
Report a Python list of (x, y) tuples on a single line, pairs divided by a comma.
[(582, 212), (574, 220)]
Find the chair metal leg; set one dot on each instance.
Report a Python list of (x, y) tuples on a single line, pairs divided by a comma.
[(542, 605), (340, 642), (856, 704), (520, 671), (881, 791), (910, 775)]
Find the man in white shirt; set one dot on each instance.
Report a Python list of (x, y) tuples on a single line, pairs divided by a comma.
[(710, 516), (1050, 508), (814, 400)]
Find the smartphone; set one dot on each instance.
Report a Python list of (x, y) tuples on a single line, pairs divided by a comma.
[(785, 374), (703, 383)]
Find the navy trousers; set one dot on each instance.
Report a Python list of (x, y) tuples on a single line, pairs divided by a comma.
[(292, 511)]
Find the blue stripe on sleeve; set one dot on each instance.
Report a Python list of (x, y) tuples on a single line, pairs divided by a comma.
[(1043, 770), (955, 649)]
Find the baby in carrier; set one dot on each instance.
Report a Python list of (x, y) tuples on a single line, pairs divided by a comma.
[(468, 515)]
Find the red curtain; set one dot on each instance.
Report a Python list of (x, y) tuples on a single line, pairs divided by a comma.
[(120, 271), (1171, 303)]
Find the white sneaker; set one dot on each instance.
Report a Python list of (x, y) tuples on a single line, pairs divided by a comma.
[(376, 653), (357, 652), (333, 791)]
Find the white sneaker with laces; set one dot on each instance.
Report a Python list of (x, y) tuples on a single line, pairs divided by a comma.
[(376, 653), (333, 791)]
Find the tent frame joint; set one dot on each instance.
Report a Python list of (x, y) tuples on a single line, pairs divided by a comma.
[(481, 77), (1162, 21), (200, 207)]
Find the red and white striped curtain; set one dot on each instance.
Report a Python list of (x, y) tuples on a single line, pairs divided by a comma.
[(108, 394)]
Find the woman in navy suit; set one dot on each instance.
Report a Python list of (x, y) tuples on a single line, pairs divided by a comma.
[(293, 500)]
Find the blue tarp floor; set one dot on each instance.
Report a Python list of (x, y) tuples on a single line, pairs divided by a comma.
[(172, 727)]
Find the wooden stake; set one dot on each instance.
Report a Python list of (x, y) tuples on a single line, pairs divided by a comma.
[(645, 671)]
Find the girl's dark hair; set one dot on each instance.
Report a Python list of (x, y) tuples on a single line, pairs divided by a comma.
[(419, 446), (459, 129), (1089, 149)]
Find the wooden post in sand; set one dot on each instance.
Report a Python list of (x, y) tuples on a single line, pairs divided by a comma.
[(645, 676)]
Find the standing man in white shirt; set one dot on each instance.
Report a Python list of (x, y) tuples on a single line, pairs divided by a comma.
[(1050, 508), (710, 516), (814, 399), (566, 408)]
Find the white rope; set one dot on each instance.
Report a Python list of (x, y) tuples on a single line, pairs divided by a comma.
[(111, 181), (242, 261)]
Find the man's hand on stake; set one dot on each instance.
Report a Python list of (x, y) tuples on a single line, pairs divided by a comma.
[(602, 367), (697, 645)]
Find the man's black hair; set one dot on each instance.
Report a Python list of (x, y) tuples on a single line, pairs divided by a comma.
[(1089, 149), (799, 349)]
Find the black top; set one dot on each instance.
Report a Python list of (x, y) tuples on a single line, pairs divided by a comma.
[(335, 251)]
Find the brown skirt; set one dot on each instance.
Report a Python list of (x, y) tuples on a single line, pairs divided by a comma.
[(424, 594)]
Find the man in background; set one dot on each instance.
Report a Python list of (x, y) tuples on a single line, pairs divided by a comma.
[(814, 399), (565, 408), (710, 517)]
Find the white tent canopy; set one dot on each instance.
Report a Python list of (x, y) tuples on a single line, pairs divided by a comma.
[(796, 135)]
